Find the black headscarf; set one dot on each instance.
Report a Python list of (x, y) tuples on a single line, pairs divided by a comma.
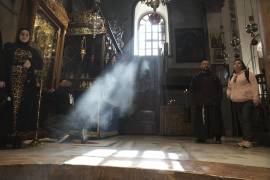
[(18, 36)]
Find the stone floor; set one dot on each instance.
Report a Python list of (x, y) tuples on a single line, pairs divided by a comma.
[(139, 157)]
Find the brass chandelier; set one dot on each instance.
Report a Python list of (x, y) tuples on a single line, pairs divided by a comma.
[(154, 3), (87, 22)]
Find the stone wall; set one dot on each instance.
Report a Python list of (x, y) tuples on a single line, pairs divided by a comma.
[(9, 14)]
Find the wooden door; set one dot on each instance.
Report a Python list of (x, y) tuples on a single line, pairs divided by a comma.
[(144, 118)]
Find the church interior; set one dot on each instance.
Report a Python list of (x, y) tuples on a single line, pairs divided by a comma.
[(106, 89)]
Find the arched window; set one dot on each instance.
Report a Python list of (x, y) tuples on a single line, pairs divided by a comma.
[(149, 34), (151, 37)]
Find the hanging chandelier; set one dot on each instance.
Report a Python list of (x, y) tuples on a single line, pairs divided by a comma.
[(83, 47), (154, 3), (252, 27), (86, 23), (154, 18)]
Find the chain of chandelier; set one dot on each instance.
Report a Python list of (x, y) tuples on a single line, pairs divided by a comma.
[(154, 3)]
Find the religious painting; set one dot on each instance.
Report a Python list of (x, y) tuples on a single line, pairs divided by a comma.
[(218, 55), (189, 45), (45, 35), (222, 72), (217, 40)]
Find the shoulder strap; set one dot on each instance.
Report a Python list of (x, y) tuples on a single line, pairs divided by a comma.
[(231, 76), (247, 75)]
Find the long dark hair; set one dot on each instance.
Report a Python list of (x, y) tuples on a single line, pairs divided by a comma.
[(244, 68)]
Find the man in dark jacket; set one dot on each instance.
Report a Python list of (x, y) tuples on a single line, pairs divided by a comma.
[(206, 93), (5, 109), (61, 103), (62, 98)]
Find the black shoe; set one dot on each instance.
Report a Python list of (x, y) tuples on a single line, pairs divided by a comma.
[(200, 141), (3, 143), (16, 141), (218, 140), (3, 146)]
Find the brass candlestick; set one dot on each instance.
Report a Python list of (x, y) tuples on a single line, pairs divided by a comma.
[(36, 139)]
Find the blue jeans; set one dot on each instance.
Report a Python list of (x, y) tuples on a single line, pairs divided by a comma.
[(244, 111)]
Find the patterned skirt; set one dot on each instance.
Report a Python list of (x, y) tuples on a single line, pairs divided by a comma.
[(18, 77)]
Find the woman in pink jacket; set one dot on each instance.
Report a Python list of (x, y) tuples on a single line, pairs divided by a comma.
[(244, 94)]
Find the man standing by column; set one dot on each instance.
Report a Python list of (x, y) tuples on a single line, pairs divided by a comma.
[(206, 93)]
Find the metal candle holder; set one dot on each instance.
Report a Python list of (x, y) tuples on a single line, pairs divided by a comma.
[(36, 139)]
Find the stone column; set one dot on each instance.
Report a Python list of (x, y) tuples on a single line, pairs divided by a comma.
[(264, 18)]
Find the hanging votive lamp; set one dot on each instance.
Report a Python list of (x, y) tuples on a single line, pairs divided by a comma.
[(83, 47), (235, 42), (252, 27), (154, 18)]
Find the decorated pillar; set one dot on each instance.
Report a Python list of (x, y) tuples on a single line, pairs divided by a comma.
[(264, 18)]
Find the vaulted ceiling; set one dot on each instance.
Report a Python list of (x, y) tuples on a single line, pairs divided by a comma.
[(211, 5)]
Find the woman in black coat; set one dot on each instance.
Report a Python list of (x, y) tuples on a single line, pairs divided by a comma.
[(18, 67)]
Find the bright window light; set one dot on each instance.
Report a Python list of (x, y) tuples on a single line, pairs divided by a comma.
[(176, 165), (85, 160), (173, 156), (101, 152), (161, 165), (150, 37), (149, 27), (118, 163), (154, 155), (127, 154)]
